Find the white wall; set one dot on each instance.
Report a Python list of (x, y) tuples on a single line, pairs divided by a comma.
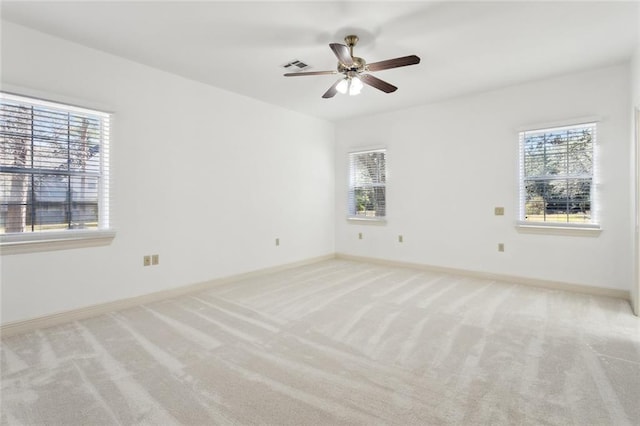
[(205, 178), (450, 163)]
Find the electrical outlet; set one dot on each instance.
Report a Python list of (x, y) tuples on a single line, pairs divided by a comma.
[(500, 246), (146, 261), (359, 235), (277, 242), (400, 239), (498, 211), (155, 259)]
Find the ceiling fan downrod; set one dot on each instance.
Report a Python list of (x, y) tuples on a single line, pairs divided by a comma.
[(350, 41)]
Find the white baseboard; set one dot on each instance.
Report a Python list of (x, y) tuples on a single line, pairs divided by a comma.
[(24, 326), (554, 285)]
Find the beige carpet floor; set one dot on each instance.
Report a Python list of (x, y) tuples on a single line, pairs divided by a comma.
[(336, 342)]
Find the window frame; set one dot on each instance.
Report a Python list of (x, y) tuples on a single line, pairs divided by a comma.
[(354, 218), (592, 228), (35, 241)]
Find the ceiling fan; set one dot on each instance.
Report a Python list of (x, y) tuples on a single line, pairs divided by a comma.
[(356, 70)]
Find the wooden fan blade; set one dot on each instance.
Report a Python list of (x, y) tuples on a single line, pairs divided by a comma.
[(377, 83), (394, 63), (342, 53), (332, 90), (295, 74)]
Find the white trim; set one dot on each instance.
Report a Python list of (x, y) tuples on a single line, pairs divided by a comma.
[(635, 293), (579, 121), (105, 193), (29, 242), (367, 149), (56, 98), (351, 208), (594, 175), (33, 242), (534, 282), (50, 104), (367, 220), (25, 326), (583, 230)]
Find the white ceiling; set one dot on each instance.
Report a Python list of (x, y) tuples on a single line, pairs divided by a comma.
[(465, 47)]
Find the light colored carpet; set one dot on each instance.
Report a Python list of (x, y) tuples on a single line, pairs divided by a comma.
[(337, 342)]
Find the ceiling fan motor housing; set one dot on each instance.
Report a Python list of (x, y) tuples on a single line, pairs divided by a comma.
[(358, 66)]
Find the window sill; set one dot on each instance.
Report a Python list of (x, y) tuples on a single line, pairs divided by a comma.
[(367, 220), (49, 241), (559, 229)]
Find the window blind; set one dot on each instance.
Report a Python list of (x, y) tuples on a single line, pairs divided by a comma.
[(557, 174), (54, 166), (367, 184)]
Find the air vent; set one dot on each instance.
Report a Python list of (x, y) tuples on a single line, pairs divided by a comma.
[(295, 65)]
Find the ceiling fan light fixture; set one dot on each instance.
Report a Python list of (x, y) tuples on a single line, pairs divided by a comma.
[(355, 87), (351, 86), (343, 86)]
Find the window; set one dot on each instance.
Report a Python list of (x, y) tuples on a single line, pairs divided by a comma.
[(54, 167), (367, 182), (557, 176)]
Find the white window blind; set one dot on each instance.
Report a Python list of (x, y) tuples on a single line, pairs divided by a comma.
[(367, 184), (557, 175), (54, 166)]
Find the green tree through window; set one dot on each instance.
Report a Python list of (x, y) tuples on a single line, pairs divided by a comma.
[(556, 168), (367, 184)]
